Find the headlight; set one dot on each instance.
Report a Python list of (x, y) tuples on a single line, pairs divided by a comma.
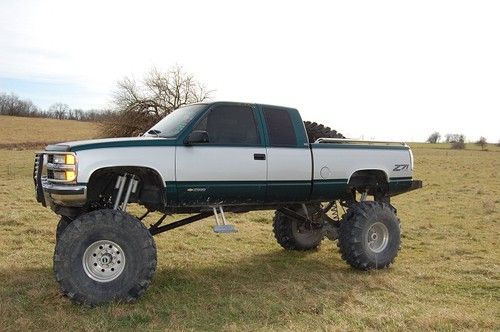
[(67, 159), (62, 168), (60, 176), (59, 159)]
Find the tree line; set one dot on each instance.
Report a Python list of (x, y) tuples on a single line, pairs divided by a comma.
[(457, 140), (137, 105), (11, 104)]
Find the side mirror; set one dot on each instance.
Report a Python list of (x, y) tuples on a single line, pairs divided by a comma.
[(197, 136)]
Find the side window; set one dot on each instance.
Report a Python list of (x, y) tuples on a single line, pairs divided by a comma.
[(279, 127), (230, 124)]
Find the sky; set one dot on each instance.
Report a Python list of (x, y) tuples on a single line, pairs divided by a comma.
[(385, 70)]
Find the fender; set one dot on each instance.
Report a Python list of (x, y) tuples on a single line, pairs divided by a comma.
[(160, 159)]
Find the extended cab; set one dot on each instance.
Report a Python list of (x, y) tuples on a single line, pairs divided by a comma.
[(203, 159)]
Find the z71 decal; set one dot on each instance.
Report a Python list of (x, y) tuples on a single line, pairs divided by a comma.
[(401, 167)]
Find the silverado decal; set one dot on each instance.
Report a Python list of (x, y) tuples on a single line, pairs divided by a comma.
[(196, 189), (401, 167)]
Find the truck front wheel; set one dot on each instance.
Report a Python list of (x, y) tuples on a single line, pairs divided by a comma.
[(61, 226), (293, 234), (104, 255), (369, 235)]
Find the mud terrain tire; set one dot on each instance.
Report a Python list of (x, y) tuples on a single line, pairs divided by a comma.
[(315, 130), (61, 226), (292, 234), (104, 255), (369, 235)]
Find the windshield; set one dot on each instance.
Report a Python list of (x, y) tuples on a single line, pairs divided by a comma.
[(176, 121)]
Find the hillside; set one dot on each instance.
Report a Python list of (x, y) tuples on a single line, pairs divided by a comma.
[(21, 132)]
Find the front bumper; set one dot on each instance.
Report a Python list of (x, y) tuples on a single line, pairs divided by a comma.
[(72, 195), (54, 193)]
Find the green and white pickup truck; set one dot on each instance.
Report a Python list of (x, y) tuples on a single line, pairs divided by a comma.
[(207, 159)]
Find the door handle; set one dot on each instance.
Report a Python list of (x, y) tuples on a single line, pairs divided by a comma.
[(259, 156)]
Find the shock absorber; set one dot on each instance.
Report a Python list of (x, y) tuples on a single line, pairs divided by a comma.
[(120, 185)]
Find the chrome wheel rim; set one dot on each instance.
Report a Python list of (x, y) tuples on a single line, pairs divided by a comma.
[(103, 261), (377, 237)]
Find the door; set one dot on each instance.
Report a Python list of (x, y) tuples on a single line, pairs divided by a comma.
[(229, 169), (289, 165)]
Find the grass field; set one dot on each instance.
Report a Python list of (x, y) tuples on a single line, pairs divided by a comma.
[(21, 132), (446, 276)]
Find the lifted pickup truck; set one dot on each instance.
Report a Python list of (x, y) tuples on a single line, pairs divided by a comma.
[(204, 159)]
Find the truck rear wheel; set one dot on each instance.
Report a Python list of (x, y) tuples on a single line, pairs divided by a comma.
[(104, 255), (293, 234), (369, 235), (315, 130)]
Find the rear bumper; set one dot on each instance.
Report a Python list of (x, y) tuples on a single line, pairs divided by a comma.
[(403, 186), (415, 184)]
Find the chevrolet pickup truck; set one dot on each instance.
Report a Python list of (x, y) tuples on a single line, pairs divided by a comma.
[(207, 159)]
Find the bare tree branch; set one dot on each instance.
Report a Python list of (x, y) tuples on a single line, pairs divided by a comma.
[(139, 106)]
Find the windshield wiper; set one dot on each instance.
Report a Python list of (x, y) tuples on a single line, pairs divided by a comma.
[(154, 132)]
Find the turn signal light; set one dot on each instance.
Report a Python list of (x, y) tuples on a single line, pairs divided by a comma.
[(70, 175), (70, 159)]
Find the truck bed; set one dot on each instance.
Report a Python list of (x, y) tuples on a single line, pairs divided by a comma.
[(336, 160)]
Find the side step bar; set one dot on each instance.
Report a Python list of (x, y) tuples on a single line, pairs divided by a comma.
[(221, 225)]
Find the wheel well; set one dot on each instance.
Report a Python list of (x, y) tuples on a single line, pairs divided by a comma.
[(150, 191), (373, 180)]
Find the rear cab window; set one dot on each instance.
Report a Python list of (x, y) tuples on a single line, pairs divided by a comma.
[(279, 126)]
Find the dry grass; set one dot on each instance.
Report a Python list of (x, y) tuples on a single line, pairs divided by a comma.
[(22, 133), (446, 276)]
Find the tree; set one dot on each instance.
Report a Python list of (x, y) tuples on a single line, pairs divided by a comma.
[(59, 110), (10, 104), (434, 138), (140, 105), (457, 140), (482, 142)]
